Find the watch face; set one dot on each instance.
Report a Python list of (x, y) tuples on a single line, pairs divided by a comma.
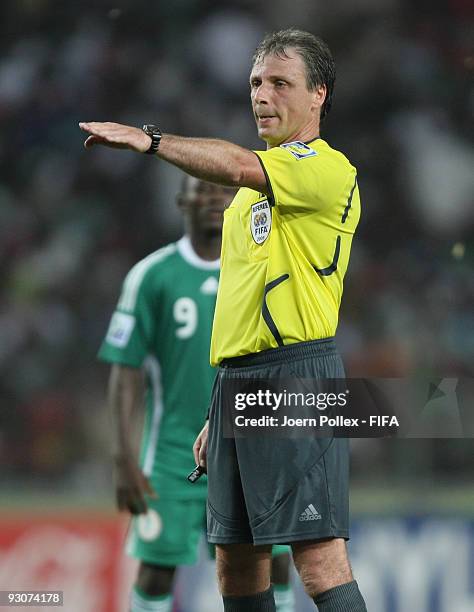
[(155, 134)]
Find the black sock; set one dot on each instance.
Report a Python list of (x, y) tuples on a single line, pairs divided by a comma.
[(261, 602), (343, 598)]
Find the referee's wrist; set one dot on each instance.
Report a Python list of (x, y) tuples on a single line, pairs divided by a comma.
[(155, 134)]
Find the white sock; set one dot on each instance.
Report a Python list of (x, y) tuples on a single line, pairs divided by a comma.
[(139, 602), (284, 599)]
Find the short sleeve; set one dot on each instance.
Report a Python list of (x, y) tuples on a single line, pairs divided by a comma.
[(131, 331), (297, 175)]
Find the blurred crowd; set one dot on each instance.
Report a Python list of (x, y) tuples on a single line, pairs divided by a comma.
[(72, 223)]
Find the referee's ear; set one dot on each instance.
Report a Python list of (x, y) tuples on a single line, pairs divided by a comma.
[(320, 95)]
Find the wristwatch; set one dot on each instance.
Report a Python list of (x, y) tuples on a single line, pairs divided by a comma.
[(155, 134)]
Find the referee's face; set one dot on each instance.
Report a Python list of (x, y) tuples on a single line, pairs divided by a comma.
[(284, 108)]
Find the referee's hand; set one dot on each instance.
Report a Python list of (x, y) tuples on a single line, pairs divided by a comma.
[(115, 135), (200, 447)]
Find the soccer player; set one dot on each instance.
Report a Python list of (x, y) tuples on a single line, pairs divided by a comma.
[(286, 244), (162, 328)]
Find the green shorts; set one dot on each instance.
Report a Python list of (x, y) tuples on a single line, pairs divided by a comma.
[(267, 490), (169, 533)]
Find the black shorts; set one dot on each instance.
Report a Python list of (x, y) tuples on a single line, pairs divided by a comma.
[(264, 490)]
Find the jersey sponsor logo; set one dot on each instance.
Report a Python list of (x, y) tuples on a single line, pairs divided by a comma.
[(120, 329), (209, 286), (310, 514), (261, 221), (149, 525), (298, 149)]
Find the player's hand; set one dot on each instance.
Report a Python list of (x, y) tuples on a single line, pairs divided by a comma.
[(115, 135), (131, 486), (200, 447)]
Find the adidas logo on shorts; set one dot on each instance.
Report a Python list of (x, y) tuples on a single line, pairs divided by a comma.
[(310, 514)]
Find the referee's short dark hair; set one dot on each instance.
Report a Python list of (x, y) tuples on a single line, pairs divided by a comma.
[(320, 66)]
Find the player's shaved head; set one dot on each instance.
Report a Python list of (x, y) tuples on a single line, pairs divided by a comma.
[(318, 60)]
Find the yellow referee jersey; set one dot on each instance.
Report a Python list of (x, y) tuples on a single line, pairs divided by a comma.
[(284, 256)]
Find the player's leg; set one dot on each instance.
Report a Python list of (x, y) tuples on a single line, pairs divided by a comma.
[(282, 588), (327, 577), (152, 589), (163, 539), (243, 574)]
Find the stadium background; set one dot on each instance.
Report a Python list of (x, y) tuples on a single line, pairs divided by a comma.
[(72, 223)]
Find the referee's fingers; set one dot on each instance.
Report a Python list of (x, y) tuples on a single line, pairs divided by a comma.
[(196, 449), (202, 457), (200, 446), (91, 141)]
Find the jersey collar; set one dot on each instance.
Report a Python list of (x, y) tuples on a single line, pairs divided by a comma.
[(187, 252), (307, 142)]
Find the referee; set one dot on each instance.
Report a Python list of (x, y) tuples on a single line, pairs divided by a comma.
[(286, 244)]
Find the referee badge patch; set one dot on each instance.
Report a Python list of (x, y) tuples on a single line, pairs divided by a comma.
[(261, 221), (299, 149)]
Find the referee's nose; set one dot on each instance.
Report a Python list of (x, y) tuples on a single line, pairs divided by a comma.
[(261, 95)]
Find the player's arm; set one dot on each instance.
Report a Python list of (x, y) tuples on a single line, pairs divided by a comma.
[(216, 161), (125, 395)]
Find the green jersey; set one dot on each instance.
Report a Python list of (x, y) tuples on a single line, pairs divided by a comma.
[(163, 322)]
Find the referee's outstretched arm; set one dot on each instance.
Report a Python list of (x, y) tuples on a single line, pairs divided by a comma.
[(217, 161)]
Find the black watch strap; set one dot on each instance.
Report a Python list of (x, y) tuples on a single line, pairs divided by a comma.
[(155, 134)]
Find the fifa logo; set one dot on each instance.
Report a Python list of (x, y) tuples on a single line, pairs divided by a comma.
[(260, 219)]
